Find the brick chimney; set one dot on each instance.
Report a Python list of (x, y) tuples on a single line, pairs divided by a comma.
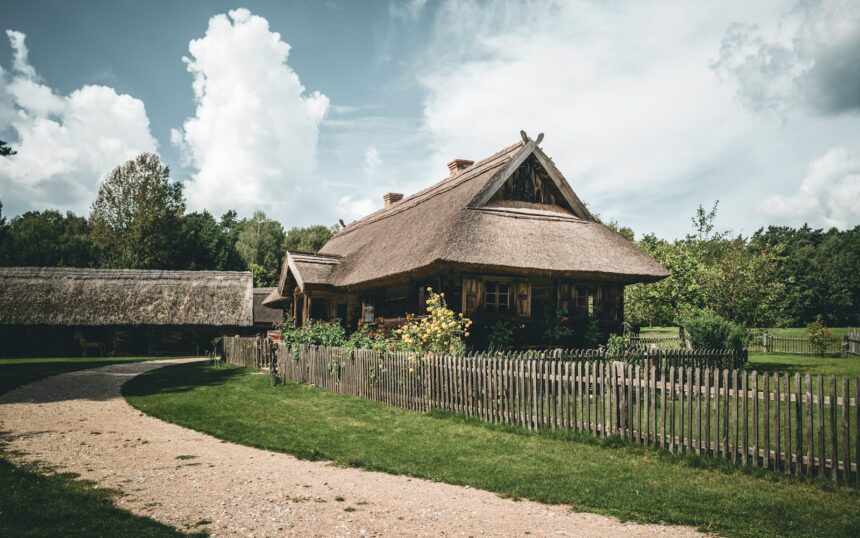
[(458, 165), (391, 198)]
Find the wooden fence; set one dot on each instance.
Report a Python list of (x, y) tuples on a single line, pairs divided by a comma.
[(803, 425), (247, 351), (660, 342), (762, 342), (799, 345), (852, 342)]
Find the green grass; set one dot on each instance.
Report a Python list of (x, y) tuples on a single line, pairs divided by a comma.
[(772, 362), (601, 476), (37, 502)]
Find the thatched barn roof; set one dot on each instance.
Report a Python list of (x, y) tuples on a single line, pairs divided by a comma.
[(67, 296), (264, 315), (456, 222)]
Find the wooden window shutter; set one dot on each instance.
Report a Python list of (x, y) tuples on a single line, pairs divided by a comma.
[(523, 298), (471, 295)]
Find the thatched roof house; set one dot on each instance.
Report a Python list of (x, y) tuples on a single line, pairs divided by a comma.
[(510, 216), (117, 305), (265, 317)]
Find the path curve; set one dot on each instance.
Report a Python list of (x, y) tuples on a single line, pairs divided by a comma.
[(79, 422)]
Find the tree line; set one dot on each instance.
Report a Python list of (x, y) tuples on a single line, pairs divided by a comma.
[(139, 221), (778, 277)]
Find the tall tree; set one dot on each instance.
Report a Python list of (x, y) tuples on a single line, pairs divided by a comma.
[(260, 244), (136, 217)]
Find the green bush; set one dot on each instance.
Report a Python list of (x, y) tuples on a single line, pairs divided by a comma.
[(314, 333), (710, 331), (819, 335), (591, 334), (501, 335)]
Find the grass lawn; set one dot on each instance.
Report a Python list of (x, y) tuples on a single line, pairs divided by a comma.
[(772, 362), (601, 476), (36, 502)]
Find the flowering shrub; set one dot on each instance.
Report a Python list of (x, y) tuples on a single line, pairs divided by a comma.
[(442, 331), (371, 336)]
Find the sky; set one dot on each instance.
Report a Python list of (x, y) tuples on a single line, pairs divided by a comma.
[(311, 111)]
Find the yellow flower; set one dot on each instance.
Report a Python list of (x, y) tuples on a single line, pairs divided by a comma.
[(466, 334), (429, 309)]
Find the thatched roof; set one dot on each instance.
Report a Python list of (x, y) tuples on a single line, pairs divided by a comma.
[(263, 314), (67, 296), (456, 222)]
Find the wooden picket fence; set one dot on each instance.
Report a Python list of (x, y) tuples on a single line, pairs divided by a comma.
[(247, 351), (803, 425), (799, 345), (660, 342), (699, 402), (762, 342), (852, 342)]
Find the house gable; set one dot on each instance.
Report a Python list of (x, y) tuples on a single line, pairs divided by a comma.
[(531, 178)]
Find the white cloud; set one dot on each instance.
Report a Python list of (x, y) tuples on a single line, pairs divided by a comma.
[(355, 207), (807, 59), (643, 115), (633, 112), (408, 10), (372, 161), (827, 196), (253, 139), (65, 143), (20, 62)]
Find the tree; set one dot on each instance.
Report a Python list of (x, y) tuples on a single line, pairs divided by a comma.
[(260, 243), (309, 239), (5, 251), (6, 150), (137, 215), (208, 244), (50, 239)]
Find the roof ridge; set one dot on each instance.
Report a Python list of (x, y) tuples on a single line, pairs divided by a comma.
[(437, 188), (93, 271)]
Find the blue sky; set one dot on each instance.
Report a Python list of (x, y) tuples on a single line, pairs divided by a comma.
[(310, 111)]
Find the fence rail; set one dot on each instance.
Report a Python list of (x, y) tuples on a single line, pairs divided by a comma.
[(803, 425)]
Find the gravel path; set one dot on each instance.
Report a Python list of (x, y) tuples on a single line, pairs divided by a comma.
[(79, 422)]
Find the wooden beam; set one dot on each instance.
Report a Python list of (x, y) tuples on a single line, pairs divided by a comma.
[(502, 175), (563, 185)]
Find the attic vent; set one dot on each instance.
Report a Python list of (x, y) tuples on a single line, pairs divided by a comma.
[(391, 198), (458, 165)]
